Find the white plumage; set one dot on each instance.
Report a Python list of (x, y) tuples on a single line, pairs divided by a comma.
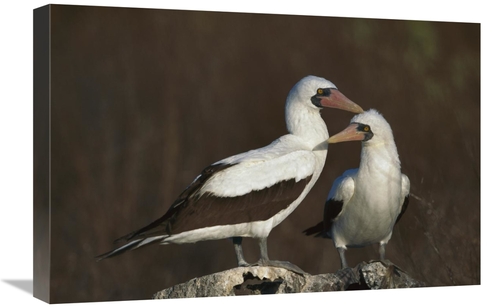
[(248, 194), (287, 157), (364, 203)]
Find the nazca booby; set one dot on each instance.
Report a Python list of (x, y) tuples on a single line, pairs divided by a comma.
[(364, 204), (248, 194)]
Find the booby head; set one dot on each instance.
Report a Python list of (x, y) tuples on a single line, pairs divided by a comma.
[(369, 127), (303, 106), (316, 93)]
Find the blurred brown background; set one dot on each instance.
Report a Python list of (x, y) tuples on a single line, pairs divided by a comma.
[(143, 100)]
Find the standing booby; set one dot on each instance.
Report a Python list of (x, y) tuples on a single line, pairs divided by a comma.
[(248, 194), (364, 204)]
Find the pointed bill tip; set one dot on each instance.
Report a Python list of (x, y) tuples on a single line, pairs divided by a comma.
[(350, 133)]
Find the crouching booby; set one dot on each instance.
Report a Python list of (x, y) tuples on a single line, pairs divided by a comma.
[(248, 194), (364, 203)]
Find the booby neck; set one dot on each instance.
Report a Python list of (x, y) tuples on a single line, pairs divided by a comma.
[(384, 153), (381, 148), (306, 123), (303, 118)]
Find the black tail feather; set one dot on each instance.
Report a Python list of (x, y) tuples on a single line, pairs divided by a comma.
[(316, 230), (130, 246), (155, 228)]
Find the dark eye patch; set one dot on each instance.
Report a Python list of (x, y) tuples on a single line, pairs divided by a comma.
[(321, 92), (364, 128)]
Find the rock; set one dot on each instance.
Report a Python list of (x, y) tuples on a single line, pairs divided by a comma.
[(385, 275), (273, 280)]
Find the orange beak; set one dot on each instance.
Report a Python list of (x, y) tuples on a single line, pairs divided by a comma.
[(351, 133), (339, 101)]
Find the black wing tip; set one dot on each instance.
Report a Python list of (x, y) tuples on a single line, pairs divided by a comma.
[(143, 233), (129, 246), (103, 256), (118, 251), (99, 258), (125, 238), (110, 254)]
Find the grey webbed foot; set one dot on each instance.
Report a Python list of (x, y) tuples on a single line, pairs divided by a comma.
[(264, 260), (389, 265), (392, 271), (281, 264)]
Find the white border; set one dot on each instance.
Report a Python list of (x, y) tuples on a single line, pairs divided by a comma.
[(16, 144)]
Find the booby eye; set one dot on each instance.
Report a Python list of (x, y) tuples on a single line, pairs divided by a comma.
[(366, 130), (363, 128), (320, 91)]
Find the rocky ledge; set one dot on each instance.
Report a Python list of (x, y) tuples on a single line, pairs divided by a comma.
[(274, 280)]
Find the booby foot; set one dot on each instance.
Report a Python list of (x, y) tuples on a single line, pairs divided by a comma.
[(282, 264), (244, 264), (392, 270), (389, 265)]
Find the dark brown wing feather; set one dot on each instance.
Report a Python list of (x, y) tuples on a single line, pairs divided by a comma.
[(159, 226), (403, 208), (210, 210), (191, 211)]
